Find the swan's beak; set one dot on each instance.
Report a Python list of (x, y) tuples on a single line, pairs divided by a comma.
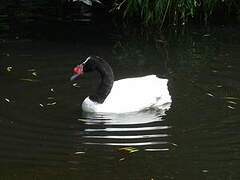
[(74, 76), (78, 70)]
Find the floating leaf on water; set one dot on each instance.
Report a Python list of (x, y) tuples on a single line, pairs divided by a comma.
[(9, 68), (209, 94), (219, 86), (51, 104), (129, 149), (231, 102), (133, 151), (231, 107), (174, 144), (76, 85), (206, 35), (29, 80), (34, 73), (6, 99), (51, 98), (122, 159), (161, 41), (41, 105), (52, 90)]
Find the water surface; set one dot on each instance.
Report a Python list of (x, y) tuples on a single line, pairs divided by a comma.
[(45, 135)]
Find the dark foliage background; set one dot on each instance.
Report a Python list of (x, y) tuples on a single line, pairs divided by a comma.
[(18, 16)]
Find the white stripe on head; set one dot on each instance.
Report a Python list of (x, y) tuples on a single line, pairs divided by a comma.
[(86, 60)]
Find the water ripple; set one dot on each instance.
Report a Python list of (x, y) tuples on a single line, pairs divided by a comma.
[(129, 129), (147, 130)]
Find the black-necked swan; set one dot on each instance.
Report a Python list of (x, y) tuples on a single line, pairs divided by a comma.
[(125, 95)]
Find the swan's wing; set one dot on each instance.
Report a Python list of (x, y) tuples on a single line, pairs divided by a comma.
[(134, 94)]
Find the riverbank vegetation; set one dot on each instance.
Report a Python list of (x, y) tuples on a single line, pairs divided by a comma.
[(146, 13), (161, 12)]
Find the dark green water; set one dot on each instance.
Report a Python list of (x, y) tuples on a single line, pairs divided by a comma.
[(45, 135)]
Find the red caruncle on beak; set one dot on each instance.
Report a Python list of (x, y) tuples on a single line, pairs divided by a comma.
[(78, 69)]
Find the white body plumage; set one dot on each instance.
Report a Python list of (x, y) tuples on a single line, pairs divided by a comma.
[(133, 94)]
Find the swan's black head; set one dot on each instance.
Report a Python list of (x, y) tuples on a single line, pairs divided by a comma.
[(87, 65), (93, 63)]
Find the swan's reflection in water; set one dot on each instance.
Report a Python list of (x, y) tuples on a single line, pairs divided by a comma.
[(146, 130)]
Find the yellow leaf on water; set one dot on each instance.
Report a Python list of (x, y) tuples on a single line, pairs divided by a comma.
[(206, 35), (209, 94), (133, 151), (76, 85), (51, 98), (231, 102), (51, 104), (231, 107), (129, 149), (34, 73), (29, 80), (9, 68), (174, 144), (6, 99), (204, 170), (161, 41)]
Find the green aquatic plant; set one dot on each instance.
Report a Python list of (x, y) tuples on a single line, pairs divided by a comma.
[(173, 12), (161, 13), (149, 11)]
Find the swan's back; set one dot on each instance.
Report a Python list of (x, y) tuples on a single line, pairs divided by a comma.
[(134, 94)]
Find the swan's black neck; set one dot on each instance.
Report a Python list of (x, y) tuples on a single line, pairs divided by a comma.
[(107, 79)]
